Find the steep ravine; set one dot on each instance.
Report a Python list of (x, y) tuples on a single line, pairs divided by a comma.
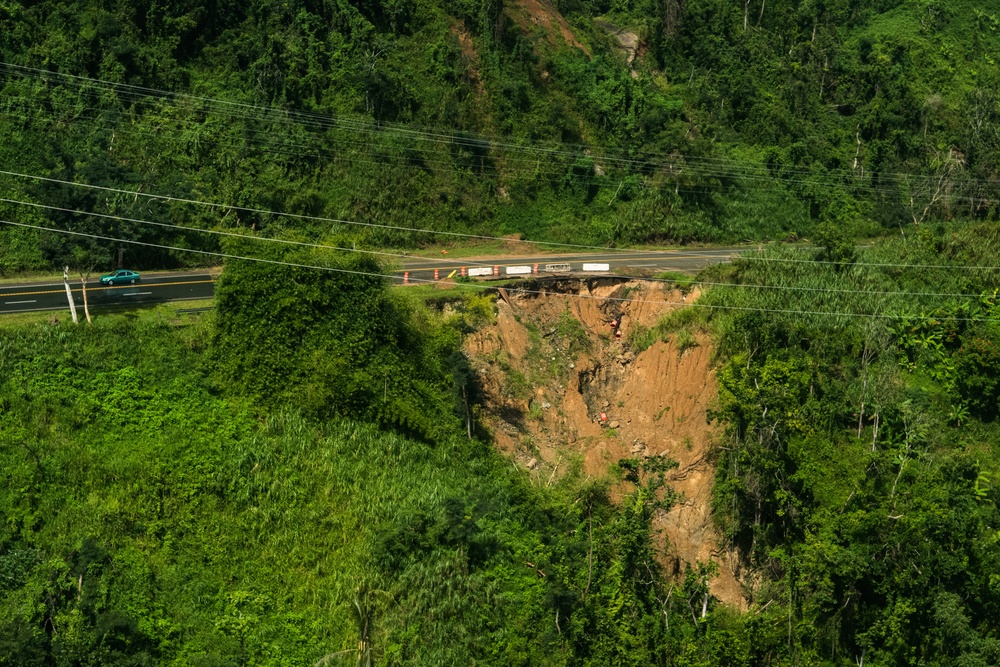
[(550, 365)]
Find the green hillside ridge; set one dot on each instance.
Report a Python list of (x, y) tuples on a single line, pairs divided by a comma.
[(862, 445), (299, 478), (171, 496), (156, 513), (485, 118)]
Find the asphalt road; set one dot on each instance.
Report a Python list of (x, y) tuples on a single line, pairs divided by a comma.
[(687, 261), (159, 288), (151, 289)]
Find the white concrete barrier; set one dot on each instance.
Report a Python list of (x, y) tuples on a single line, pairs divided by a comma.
[(596, 267), (481, 271), (558, 268), (517, 270)]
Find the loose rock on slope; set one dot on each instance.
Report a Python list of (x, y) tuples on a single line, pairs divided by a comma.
[(559, 385)]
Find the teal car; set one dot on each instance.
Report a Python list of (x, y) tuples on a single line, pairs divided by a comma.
[(120, 277)]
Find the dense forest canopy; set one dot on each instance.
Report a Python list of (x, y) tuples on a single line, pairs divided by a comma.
[(248, 487), (599, 122), (157, 509)]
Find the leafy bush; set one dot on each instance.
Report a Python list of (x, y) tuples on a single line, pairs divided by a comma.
[(332, 342), (225, 533), (977, 376)]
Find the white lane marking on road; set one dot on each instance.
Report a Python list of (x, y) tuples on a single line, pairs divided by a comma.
[(9, 287), (135, 293), (641, 265), (11, 303)]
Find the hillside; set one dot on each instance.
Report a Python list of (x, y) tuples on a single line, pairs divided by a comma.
[(549, 367), (308, 474), (788, 460), (584, 121), (158, 509)]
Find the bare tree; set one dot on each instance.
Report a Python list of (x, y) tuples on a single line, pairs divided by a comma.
[(857, 155), (84, 277), (924, 193), (877, 341), (86, 260), (69, 295)]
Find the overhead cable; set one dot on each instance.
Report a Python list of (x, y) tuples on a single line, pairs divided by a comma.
[(482, 286), (326, 121), (457, 263)]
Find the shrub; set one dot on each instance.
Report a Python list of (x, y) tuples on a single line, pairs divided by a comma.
[(977, 364), (332, 342)]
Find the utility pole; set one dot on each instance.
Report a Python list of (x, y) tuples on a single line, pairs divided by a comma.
[(69, 294)]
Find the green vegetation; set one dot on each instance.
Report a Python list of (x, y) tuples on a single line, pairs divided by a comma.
[(764, 120), (862, 441), (682, 281), (680, 324), (298, 478), (333, 343), (164, 503)]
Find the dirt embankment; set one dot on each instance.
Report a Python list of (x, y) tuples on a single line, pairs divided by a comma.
[(551, 365), (532, 15)]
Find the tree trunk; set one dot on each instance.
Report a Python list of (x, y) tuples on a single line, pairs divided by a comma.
[(69, 295), (866, 358), (468, 413), (86, 308)]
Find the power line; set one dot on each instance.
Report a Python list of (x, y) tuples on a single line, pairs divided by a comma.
[(463, 262), (539, 172), (682, 166), (216, 232), (192, 250), (274, 114), (168, 198), (399, 161), (964, 267), (479, 286), (299, 216)]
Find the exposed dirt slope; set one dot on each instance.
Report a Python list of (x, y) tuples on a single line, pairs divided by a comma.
[(470, 56), (551, 365), (532, 15)]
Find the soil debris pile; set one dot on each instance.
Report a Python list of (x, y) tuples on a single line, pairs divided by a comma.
[(573, 371)]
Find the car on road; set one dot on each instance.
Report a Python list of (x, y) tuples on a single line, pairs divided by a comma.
[(120, 277)]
